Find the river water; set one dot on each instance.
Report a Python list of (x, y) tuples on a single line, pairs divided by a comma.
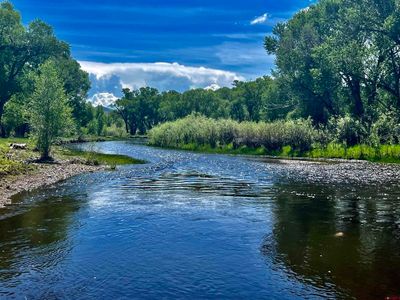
[(189, 225)]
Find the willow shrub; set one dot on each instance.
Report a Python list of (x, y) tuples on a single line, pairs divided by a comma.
[(201, 131)]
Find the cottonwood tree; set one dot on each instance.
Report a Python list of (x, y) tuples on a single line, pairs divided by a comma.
[(23, 49), (341, 57), (50, 114)]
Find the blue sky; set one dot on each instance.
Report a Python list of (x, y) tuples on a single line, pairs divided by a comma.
[(186, 36)]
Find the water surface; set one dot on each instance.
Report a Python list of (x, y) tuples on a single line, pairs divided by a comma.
[(198, 226)]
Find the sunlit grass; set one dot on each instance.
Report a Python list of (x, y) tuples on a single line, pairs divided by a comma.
[(14, 162), (95, 158)]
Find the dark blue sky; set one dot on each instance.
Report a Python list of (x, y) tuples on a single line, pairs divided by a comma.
[(215, 34)]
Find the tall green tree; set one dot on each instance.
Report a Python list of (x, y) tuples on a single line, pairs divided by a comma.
[(308, 82), (22, 49), (76, 86), (100, 120), (50, 113), (339, 57)]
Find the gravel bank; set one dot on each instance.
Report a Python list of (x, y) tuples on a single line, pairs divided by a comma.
[(43, 175), (336, 171)]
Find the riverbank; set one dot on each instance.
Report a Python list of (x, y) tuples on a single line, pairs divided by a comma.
[(381, 154), (41, 175), (20, 171), (283, 139)]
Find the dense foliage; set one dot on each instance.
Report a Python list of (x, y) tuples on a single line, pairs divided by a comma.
[(246, 101), (199, 130), (22, 50), (50, 114), (288, 138), (340, 57)]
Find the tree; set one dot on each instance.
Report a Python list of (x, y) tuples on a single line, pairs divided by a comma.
[(127, 108), (100, 120), (171, 107), (50, 113), (15, 118), (22, 49), (308, 82), (340, 57), (139, 109), (76, 86)]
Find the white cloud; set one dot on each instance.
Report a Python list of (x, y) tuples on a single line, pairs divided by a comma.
[(260, 20), (163, 76), (306, 9), (103, 99), (213, 87)]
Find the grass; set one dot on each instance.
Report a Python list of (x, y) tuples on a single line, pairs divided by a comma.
[(95, 158), (201, 131), (284, 138), (13, 162)]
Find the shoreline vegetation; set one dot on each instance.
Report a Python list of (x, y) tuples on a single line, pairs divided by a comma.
[(280, 139), (20, 170)]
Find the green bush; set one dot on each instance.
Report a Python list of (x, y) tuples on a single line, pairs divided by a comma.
[(115, 131), (196, 130), (291, 138), (347, 130), (386, 130)]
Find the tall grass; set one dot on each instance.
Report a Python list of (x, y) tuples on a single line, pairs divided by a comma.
[(291, 138), (202, 131)]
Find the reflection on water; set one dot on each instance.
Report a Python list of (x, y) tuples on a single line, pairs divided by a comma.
[(34, 238), (200, 226), (363, 260)]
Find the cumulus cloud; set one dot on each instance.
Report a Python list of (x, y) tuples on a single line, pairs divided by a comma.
[(107, 78), (213, 87), (103, 99), (260, 20)]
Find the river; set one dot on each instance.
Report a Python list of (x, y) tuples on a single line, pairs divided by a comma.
[(190, 225)]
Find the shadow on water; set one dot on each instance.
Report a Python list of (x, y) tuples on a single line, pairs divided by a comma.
[(341, 236), (34, 236)]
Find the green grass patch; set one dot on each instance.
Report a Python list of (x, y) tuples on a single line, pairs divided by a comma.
[(95, 158), (13, 163), (11, 167)]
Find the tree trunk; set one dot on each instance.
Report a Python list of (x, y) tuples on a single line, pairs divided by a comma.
[(355, 88), (358, 104), (132, 129), (126, 125)]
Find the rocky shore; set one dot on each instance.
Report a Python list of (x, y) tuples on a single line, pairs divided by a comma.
[(41, 175)]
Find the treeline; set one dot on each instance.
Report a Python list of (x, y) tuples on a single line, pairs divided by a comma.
[(144, 108), (23, 50), (337, 63)]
